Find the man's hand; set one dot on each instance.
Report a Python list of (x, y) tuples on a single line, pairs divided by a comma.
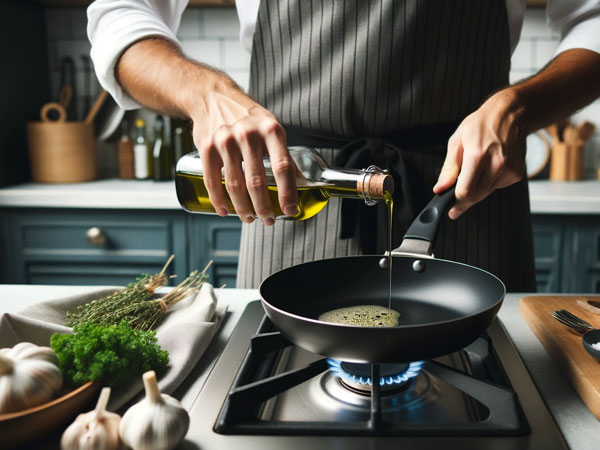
[(233, 128), (486, 152), (229, 127)]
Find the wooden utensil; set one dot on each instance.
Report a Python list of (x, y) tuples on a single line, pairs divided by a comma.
[(97, 105), (553, 130), (66, 94), (559, 161), (565, 346), (574, 153), (584, 131)]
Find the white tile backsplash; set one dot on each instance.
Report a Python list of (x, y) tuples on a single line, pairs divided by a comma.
[(543, 51), (221, 23), (205, 51), (241, 77), (192, 25), (69, 48), (522, 56), (236, 57)]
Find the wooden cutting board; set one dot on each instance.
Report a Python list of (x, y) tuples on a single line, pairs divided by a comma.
[(564, 345)]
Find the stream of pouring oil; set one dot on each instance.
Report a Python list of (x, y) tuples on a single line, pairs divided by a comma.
[(389, 201)]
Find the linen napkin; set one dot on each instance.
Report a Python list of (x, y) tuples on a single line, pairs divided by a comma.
[(185, 331)]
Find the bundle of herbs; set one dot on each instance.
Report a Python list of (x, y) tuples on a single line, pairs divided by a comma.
[(135, 304)]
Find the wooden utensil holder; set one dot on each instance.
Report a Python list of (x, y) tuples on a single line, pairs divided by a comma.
[(566, 161), (62, 152)]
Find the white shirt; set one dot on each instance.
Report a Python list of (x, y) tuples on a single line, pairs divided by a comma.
[(113, 25)]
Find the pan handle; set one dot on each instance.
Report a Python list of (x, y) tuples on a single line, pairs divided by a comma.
[(420, 236)]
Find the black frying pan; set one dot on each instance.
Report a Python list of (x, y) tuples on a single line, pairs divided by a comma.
[(444, 305)]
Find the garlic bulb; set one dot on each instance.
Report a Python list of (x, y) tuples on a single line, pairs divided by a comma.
[(94, 430), (158, 422), (27, 350), (27, 378)]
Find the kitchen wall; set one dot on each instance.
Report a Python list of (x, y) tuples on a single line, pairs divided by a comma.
[(211, 35)]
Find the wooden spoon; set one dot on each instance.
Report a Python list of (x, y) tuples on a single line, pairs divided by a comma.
[(584, 131), (97, 105)]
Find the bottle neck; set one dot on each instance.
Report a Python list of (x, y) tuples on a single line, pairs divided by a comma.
[(368, 184)]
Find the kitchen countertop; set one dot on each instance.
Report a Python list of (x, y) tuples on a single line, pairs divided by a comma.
[(579, 427), (546, 197)]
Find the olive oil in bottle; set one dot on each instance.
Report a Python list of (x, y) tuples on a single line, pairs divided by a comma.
[(316, 186), (142, 157)]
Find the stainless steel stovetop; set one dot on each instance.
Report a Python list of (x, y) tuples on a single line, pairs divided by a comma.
[(428, 411)]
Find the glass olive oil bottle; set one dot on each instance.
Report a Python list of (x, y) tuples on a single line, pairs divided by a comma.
[(161, 153), (317, 184), (142, 157)]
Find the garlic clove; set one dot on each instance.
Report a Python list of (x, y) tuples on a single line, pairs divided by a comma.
[(158, 422), (94, 430)]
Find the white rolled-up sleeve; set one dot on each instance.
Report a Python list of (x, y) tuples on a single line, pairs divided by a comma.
[(577, 21), (113, 25)]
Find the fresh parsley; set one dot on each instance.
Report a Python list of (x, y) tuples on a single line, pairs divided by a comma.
[(110, 353)]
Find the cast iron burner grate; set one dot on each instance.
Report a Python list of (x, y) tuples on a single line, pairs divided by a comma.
[(254, 384)]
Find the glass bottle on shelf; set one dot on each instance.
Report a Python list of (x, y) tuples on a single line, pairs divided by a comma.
[(317, 183), (125, 153), (161, 154), (142, 157)]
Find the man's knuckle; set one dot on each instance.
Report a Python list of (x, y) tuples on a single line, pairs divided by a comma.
[(224, 138), (272, 126), (234, 185), (256, 183), (282, 166)]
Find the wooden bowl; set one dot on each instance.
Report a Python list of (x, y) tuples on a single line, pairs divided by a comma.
[(19, 428)]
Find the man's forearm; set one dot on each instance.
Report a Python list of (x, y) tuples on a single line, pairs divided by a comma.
[(229, 127), (566, 84), (155, 73)]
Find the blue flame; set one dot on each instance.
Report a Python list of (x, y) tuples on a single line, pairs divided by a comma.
[(411, 372)]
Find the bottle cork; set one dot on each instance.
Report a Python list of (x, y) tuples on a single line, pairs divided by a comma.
[(375, 185)]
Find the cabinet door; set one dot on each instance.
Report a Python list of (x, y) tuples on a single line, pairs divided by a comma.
[(49, 246), (548, 247), (216, 239), (585, 243)]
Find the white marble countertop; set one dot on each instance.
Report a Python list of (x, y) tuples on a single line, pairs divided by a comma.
[(110, 193), (547, 197), (579, 427)]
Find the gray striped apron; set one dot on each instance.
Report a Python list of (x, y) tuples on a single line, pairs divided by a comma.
[(367, 68)]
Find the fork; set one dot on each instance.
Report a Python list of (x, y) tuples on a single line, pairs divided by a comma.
[(572, 321)]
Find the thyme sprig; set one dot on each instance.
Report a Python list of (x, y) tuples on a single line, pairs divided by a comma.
[(135, 304)]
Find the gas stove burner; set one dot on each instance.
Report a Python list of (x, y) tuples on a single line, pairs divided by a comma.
[(357, 376)]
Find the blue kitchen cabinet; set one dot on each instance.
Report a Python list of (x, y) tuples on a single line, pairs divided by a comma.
[(567, 253), (548, 243), (585, 247), (216, 239), (54, 246)]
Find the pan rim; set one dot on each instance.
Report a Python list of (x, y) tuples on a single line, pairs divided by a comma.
[(380, 329)]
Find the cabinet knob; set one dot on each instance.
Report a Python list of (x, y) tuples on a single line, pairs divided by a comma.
[(96, 237)]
